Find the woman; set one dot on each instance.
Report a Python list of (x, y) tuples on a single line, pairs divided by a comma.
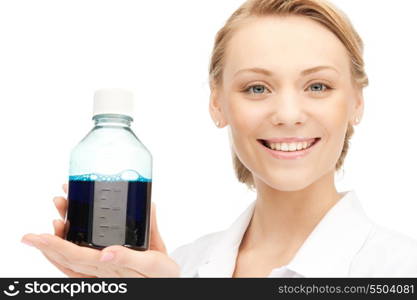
[(287, 77)]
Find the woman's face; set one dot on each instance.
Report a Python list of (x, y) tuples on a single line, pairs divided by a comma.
[(286, 80)]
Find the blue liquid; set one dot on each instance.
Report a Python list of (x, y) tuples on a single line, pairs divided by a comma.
[(81, 201)]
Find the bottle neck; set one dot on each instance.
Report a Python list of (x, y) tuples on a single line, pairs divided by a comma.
[(112, 120)]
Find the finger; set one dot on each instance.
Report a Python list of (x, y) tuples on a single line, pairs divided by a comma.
[(42, 246), (59, 227), (55, 258), (43, 242), (156, 242), (62, 206), (128, 273), (67, 271), (65, 188), (74, 265), (70, 251), (106, 271), (149, 263), (93, 271)]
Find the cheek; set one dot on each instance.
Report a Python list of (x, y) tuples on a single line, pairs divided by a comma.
[(334, 120), (244, 116)]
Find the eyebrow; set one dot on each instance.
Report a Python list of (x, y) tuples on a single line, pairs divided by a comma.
[(303, 73)]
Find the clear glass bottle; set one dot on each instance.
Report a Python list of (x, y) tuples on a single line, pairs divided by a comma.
[(110, 179)]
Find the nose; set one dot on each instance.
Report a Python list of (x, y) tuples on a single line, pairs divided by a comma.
[(288, 110)]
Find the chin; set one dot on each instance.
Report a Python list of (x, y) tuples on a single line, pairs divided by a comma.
[(289, 186), (287, 182)]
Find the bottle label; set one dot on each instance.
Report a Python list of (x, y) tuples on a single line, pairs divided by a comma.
[(109, 213)]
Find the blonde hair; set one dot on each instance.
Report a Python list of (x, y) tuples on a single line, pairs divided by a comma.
[(320, 11)]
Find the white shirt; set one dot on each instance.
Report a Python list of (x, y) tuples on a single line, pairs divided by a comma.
[(345, 243)]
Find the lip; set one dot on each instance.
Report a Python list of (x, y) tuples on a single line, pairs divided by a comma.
[(287, 154)]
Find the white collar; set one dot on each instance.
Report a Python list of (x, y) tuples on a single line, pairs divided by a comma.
[(327, 252)]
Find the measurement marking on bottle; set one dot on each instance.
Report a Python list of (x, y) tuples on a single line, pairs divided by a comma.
[(109, 222)]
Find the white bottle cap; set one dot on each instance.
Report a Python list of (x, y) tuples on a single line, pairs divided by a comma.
[(113, 101)]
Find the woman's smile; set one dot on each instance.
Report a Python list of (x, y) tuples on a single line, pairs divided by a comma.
[(289, 148)]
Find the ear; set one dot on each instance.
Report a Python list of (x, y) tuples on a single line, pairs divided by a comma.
[(359, 106), (216, 108)]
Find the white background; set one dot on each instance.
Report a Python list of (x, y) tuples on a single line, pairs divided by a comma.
[(55, 54)]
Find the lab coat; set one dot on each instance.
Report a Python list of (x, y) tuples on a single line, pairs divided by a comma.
[(345, 243)]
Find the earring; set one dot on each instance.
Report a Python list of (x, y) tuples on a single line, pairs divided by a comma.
[(357, 120), (217, 123)]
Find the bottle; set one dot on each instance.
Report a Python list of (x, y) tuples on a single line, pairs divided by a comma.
[(110, 179)]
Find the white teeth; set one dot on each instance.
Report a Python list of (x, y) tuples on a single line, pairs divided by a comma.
[(292, 147), (288, 147)]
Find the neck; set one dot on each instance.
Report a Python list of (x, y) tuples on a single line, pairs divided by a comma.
[(287, 218), (112, 120)]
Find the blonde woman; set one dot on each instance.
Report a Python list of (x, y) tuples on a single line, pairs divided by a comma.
[(286, 77)]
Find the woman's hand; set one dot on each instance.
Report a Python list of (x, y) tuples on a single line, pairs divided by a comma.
[(112, 261)]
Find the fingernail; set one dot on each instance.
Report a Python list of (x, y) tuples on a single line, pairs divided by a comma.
[(27, 243), (107, 256)]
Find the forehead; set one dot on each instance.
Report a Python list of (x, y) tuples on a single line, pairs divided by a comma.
[(286, 45)]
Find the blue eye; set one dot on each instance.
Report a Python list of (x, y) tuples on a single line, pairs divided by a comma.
[(256, 89), (318, 85), (259, 89)]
